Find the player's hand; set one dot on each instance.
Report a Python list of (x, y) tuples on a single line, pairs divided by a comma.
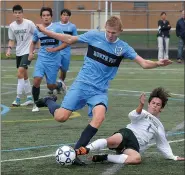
[(40, 27), (51, 49), (164, 62), (180, 158), (8, 53), (142, 98), (31, 56)]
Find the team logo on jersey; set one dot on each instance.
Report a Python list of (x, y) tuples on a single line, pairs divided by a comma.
[(118, 51)]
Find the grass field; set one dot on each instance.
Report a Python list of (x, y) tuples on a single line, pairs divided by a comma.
[(29, 140)]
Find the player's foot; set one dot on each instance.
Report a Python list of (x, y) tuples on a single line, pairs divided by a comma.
[(82, 151), (42, 101), (64, 87), (79, 162), (29, 101), (50, 92), (35, 108), (99, 158), (16, 102), (61, 87)]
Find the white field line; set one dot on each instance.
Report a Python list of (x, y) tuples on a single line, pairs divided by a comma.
[(110, 89), (51, 155), (140, 91), (148, 79)]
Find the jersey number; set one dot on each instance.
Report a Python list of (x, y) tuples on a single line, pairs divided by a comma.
[(149, 127)]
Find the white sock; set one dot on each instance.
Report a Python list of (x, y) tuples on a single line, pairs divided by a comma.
[(97, 144), (20, 86), (27, 87), (117, 158)]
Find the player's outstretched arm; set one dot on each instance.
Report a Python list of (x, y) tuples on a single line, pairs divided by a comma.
[(148, 64), (141, 103), (62, 37)]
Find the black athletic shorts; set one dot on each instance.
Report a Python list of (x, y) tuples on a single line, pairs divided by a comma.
[(22, 61), (129, 141)]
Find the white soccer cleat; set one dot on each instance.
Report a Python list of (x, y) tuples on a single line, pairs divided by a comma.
[(28, 102), (35, 108), (16, 102)]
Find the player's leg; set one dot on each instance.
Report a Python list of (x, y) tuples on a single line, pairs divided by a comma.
[(63, 70), (37, 79), (160, 48), (180, 50), (51, 76), (97, 108), (166, 55), (27, 86), (126, 145), (20, 84), (75, 99)]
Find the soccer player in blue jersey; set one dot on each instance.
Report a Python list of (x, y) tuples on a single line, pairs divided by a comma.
[(48, 63), (101, 62), (68, 28)]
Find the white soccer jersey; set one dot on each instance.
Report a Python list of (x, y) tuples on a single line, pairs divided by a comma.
[(22, 34), (146, 127)]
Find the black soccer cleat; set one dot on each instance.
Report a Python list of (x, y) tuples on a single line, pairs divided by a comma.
[(99, 158), (79, 162), (42, 101)]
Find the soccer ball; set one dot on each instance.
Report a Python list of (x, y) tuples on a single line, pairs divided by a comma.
[(65, 155)]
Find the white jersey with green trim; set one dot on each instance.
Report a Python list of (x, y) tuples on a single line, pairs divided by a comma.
[(22, 34), (146, 127)]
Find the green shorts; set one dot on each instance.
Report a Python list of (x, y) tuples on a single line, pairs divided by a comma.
[(129, 141), (22, 61)]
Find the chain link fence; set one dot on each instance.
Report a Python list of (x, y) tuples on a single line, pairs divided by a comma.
[(139, 18)]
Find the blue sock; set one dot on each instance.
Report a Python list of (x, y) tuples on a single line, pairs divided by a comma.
[(52, 106), (86, 136)]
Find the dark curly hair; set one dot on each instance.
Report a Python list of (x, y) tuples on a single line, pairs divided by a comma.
[(160, 93)]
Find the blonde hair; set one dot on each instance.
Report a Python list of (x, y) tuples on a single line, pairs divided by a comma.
[(114, 21)]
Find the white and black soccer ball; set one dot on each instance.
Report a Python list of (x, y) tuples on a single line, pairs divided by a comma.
[(65, 155)]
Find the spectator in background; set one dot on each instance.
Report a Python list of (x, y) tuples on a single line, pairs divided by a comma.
[(180, 32), (163, 37)]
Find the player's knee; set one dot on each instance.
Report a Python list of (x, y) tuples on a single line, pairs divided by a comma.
[(60, 117), (133, 160), (20, 73)]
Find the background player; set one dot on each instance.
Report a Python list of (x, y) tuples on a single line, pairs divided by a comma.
[(21, 31), (47, 63), (68, 28)]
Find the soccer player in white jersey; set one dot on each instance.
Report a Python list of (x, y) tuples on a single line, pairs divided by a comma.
[(130, 141), (68, 28), (104, 55), (21, 31)]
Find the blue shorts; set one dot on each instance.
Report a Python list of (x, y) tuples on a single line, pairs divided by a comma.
[(65, 61), (81, 94), (50, 71)]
